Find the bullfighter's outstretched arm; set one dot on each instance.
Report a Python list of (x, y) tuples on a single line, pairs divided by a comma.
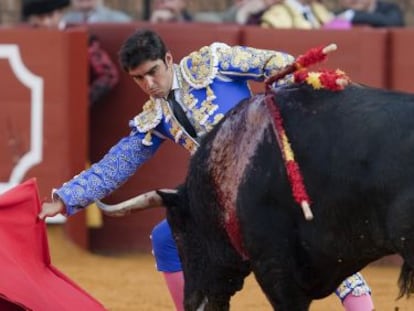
[(103, 177), (251, 63)]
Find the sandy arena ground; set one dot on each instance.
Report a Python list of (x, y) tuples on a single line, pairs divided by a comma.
[(130, 282)]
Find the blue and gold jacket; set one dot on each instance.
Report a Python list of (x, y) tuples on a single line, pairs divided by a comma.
[(211, 81)]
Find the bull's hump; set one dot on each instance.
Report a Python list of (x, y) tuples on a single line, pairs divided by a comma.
[(232, 149), (236, 141)]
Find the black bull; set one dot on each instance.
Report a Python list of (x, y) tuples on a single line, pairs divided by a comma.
[(355, 149)]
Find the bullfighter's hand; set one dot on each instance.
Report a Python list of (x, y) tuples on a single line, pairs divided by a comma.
[(50, 209)]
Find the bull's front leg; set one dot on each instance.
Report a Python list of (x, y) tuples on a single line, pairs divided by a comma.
[(272, 249), (280, 288), (213, 288), (200, 301), (207, 304)]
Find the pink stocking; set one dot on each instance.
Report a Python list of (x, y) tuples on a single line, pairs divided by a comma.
[(358, 303), (175, 283)]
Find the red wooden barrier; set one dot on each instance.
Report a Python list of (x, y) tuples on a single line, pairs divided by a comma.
[(362, 52), (43, 115), (401, 61)]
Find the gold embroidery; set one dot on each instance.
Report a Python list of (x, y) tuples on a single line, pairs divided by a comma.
[(209, 107), (199, 68), (149, 118), (210, 94), (189, 100), (176, 131), (190, 145), (241, 59), (251, 60), (278, 62), (225, 56), (217, 118), (147, 141), (174, 127), (198, 115)]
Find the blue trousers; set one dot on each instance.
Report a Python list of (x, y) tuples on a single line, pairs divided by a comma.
[(164, 248)]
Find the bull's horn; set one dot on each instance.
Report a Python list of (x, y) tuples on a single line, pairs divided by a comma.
[(143, 201)]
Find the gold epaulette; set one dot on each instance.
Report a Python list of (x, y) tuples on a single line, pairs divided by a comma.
[(200, 67), (148, 119)]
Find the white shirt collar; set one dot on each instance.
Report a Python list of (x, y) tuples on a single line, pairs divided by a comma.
[(175, 85)]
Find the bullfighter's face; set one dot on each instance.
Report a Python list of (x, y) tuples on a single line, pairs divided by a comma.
[(155, 77)]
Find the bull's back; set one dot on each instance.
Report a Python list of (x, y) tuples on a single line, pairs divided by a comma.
[(359, 137)]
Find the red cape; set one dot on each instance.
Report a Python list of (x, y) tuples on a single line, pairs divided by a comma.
[(28, 281)]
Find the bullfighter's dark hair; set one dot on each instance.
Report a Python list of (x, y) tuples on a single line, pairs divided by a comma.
[(143, 45)]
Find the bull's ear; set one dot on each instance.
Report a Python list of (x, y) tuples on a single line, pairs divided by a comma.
[(169, 198), (174, 200)]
